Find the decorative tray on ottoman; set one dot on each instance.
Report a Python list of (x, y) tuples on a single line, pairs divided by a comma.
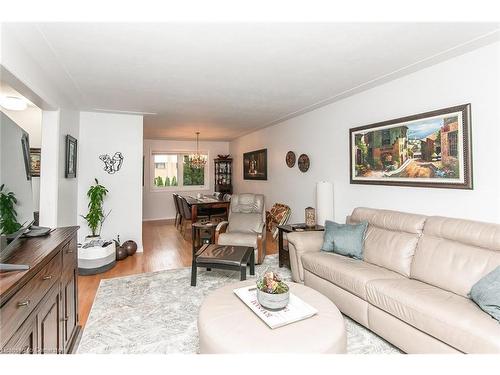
[(295, 311)]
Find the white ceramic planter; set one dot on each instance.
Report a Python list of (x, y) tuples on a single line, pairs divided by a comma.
[(273, 301), (93, 260)]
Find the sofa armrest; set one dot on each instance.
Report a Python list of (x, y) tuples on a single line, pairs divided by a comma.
[(261, 243), (220, 228), (300, 243)]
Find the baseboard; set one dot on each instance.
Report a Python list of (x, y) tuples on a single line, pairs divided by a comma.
[(169, 219)]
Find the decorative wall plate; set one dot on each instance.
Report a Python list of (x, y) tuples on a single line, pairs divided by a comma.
[(290, 159), (304, 163), (112, 164)]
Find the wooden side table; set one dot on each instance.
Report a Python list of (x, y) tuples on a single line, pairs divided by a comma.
[(197, 237), (284, 256)]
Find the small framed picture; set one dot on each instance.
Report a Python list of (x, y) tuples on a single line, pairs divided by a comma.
[(25, 144), (71, 155), (35, 159)]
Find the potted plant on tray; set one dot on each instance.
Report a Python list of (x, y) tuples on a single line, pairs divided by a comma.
[(95, 216), (272, 292), (8, 214)]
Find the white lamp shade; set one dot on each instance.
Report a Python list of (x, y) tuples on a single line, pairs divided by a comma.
[(324, 202)]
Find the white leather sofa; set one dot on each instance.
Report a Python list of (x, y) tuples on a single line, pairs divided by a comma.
[(412, 286)]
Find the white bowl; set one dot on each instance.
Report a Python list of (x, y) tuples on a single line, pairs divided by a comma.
[(273, 301)]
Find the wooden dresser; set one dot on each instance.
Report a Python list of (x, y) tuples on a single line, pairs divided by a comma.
[(39, 307)]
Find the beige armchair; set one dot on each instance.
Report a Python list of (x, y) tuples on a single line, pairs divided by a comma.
[(246, 225)]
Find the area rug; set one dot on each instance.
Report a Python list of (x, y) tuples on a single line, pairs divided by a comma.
[(156, 313)]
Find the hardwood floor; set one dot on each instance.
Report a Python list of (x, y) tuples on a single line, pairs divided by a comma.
[(164, 248)]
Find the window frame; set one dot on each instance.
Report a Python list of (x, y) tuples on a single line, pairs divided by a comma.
[(453, 143), (180, 172)]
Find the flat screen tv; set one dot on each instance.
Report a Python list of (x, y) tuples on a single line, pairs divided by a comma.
[(15, 175)]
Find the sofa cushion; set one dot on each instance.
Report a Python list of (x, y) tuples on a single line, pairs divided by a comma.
[(345, 239), (347, 273), (446, 316), (454, 254), (486, 293), (391, 237)]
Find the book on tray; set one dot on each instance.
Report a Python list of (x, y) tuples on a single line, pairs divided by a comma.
[(295, 310)]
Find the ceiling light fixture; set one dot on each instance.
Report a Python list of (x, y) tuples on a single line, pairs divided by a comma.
[(197, 160), (13, 103)]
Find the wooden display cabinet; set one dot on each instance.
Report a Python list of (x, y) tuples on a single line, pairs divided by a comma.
[(223, 175)]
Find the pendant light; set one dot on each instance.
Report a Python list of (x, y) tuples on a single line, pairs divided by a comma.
[(197, 160)]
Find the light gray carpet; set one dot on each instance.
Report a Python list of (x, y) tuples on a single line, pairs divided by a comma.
[(156, 313)]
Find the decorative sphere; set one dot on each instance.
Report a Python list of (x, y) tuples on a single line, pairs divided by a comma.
[(121, 253), (130, 246)]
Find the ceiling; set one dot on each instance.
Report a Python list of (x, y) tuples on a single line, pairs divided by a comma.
[(228, 79)]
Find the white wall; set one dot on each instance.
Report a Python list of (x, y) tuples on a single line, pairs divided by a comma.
[(323, 134), (49, 191), (58, 195), (159, 204), (67, 209), (104, 133), (31, 121)]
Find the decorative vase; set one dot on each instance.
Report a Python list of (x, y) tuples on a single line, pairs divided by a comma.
[(121, 253), (130, 246), (270, 301), (310, 217)]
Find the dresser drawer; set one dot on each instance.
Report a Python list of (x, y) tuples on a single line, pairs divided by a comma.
[(69, 254), (17, 308)]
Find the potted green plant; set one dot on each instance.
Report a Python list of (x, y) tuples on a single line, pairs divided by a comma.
[(8, 214), (272, 292), (95, 217)]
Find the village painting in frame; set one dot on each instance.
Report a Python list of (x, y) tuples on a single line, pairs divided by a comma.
[(431, 149)]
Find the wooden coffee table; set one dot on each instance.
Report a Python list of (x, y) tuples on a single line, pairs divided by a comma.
[(235, 258)]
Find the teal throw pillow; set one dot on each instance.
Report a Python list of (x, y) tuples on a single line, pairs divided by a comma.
[(486, 293), (345, 239)]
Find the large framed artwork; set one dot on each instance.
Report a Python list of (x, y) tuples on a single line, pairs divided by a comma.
[(255, 165), (430, 149)]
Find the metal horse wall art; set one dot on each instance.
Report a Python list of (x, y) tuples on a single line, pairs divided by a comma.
[(112, 165)]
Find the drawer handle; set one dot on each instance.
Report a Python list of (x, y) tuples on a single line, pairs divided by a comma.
[(47, 277), (69, 251), (66, 318), (23, 303)]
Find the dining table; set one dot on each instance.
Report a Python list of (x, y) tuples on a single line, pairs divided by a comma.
[(205, 201)]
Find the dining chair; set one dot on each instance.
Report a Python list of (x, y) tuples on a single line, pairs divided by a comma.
[(186, 215), (178, 217)]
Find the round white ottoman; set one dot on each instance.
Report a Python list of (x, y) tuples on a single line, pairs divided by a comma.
[(227, 325)]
